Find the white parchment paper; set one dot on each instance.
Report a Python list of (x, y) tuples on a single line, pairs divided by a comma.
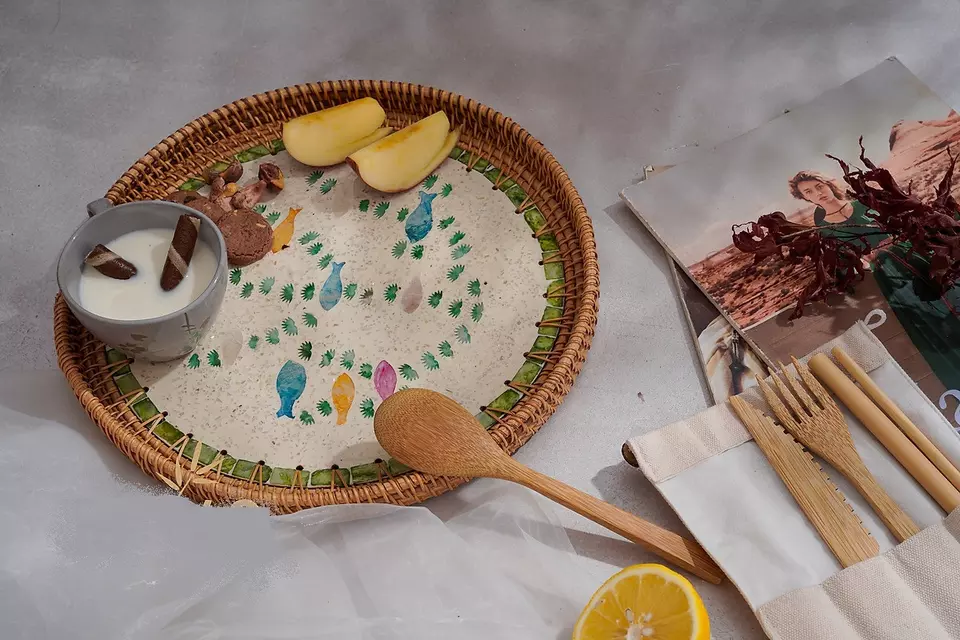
[(89, 548)]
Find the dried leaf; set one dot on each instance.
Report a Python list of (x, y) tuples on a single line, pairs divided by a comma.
[(170, 483), (196, 456), (932, 230)]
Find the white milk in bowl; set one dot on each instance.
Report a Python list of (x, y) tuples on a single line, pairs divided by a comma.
[(141, 297)]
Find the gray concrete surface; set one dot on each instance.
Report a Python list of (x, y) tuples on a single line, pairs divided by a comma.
[(87, 86)]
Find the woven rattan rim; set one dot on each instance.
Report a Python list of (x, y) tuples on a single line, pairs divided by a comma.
[(257, 120)]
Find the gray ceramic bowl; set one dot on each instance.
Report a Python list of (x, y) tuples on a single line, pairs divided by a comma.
[(156, 339)]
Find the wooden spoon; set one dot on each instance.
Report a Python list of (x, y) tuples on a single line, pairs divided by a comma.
[(431, 433)]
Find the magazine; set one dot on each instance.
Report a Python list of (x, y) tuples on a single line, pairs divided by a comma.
[(729, 363), (783, 167)]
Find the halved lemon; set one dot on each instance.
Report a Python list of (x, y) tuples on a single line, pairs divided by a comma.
[(644, 602)]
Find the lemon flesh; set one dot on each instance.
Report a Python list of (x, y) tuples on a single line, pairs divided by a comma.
[(644, 602)]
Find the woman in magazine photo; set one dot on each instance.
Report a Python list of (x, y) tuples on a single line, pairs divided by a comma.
[(931, 320), (833, 207)]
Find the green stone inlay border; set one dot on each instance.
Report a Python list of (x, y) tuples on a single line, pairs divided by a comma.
[(505, 400), (528, 372), (527, 375), (284, 477), (555, 289), (168, 433), (330, 477), (548, 242), (552, 270), (548, 329), (534, 219)]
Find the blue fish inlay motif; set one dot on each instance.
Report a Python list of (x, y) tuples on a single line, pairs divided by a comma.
[(291, 382), (332, 289), (420, 221)]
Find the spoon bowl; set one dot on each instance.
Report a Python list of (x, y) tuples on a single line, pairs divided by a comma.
[(430, 432)]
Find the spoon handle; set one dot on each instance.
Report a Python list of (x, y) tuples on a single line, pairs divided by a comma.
[(666, 544)]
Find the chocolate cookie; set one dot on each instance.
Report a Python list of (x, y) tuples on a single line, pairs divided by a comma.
[(208, 207), (247, 235)]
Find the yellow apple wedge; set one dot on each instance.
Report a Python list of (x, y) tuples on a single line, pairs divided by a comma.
[(403, 159), (325, 138)]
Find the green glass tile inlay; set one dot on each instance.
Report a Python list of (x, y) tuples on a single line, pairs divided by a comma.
[(505, 400), (217, 167), (259, 151), (528, 372), (168, 433), (145, 409), (515, 193), (492, 174), (555, 287), (552, 270), (395, 467), (550, 314), (244, 470), (283, 477), (323, 477), (543, 344), (127, 383), (548, 242), (365, 473), (535, 219), (192, 184)]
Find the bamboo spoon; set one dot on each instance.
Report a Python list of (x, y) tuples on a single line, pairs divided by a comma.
[(896, 414), (431, 433)]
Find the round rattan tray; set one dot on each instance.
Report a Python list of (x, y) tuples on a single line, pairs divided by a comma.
[(487, 136)]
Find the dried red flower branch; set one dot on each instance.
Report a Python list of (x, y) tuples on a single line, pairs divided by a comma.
[(931, 230)]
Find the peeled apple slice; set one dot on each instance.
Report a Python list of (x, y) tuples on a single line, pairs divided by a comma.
[(327, 137), (403, 159)]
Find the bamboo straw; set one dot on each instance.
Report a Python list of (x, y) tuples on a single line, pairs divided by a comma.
[(898, 417)]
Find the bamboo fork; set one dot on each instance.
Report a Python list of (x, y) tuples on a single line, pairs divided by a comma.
[(819, 426)]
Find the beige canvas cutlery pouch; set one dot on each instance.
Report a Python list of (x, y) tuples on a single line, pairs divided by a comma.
[(722, 487)]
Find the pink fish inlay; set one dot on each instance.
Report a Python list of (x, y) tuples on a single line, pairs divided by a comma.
[(385, 379)]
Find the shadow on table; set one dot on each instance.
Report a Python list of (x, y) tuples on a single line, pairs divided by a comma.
[(606, 548), (642, 498), (456, 503), (632, 228), (628, 489)]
